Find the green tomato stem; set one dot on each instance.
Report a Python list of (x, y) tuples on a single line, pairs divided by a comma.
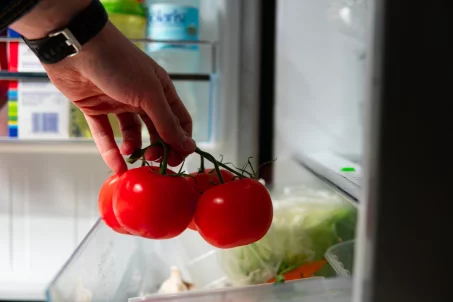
[(217, 163), (164, 163), (251, 167), (201, 164), (139, 154), (213, 160)]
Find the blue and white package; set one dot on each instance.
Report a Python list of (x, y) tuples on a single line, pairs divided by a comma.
[(13, 34), (172, 22)]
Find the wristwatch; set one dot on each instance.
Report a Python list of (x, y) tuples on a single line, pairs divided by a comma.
[(68, 42)]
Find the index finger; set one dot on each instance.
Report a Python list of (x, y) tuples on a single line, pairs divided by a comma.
[(102, 133)]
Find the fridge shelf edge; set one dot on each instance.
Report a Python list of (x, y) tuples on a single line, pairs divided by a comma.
[(13, 76), (69, 146)]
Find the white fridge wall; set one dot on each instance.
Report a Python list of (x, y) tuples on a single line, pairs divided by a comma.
[(47, 205), (319, 79)]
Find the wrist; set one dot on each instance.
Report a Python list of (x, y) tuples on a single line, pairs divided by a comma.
[(48, 16)]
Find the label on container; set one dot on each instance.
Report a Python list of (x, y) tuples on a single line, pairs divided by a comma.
[(13, 34), (172, 22), (27, 60), (42, 111), (12, 113)]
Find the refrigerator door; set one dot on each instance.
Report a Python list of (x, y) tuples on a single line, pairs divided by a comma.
[(405, 223), (402, 78)]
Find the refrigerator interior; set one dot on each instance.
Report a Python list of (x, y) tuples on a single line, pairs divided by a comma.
[(49, 186), (320, 80)]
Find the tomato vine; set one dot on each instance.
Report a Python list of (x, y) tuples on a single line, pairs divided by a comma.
[(140, 155), (170, 202)]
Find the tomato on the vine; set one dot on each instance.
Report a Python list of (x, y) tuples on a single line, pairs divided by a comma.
[(153, 205), (234, 214), (105, 204), (192, 225), (208, 179), (205, 180)]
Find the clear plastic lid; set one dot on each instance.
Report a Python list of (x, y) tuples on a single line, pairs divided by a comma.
[(341, 257)]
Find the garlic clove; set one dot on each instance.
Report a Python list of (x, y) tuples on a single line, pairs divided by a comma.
[(82, 294), (175, 283)]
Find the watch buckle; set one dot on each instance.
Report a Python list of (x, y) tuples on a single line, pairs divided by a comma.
[(70, 40)]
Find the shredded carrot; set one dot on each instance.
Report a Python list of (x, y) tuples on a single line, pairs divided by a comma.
[(304, 271)]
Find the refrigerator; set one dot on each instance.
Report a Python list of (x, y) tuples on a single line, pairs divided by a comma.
[(345, 99)]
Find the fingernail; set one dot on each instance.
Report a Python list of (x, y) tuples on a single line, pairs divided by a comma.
[(188, 144)]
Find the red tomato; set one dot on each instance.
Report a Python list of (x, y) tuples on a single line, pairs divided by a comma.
[(192, 225), (206, 180), (234, 214), (152, 205), (105, 204)]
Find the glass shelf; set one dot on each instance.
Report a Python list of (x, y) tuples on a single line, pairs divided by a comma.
[(198, 42), (175, 76), (71, 145), (12, 76)]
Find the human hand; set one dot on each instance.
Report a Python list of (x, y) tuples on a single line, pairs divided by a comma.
[(111, 75)]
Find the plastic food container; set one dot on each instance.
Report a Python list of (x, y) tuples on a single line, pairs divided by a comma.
[(113, 267), (108, 266), (341, 257), (309, 290)]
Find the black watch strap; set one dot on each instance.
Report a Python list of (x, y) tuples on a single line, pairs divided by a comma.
[(68, 41)]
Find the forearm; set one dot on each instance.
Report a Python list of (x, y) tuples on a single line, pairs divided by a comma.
[(12, 10), (47, 16)]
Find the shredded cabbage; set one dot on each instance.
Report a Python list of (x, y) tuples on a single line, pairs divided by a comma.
[(301, 232)]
